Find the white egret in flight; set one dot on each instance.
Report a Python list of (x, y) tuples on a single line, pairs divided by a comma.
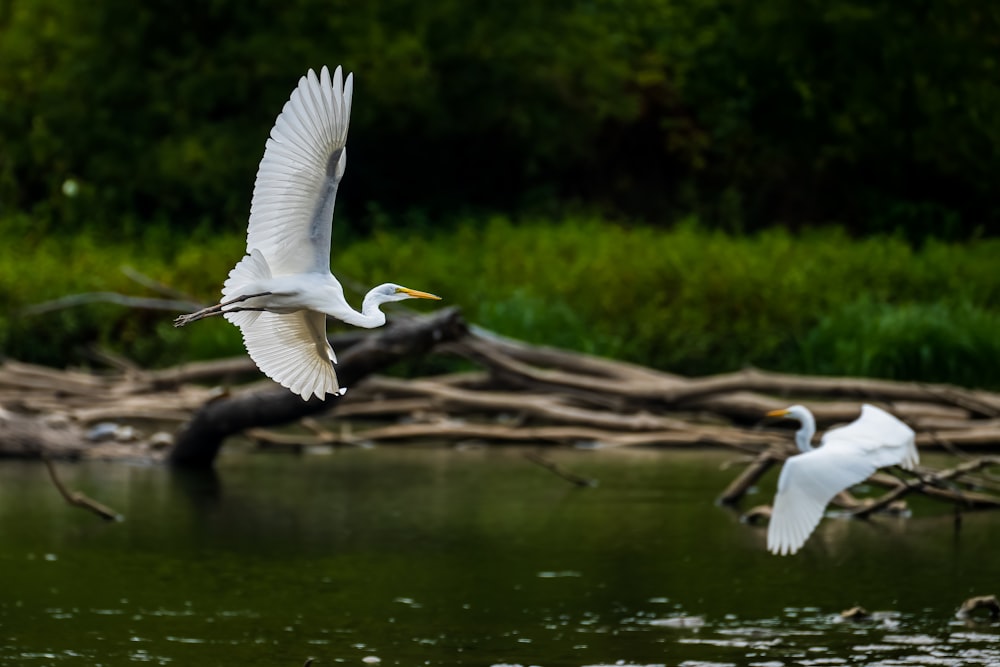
[(848, 455), (282, 291)]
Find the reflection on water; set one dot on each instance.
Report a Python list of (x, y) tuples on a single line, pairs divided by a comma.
[(399, 556)]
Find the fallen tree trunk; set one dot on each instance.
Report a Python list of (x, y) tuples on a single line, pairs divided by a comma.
[(202, 371), (199, 441), (549, 406), (519, 392), (753, 472), (29, 437), (458, 430)]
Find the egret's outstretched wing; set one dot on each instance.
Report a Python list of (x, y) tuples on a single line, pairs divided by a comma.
[(292, 350), (807, 483), (883, 438), (296, 187), (848, 455)]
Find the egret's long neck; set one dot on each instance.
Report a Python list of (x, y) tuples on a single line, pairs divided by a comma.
[(803, 437), (370, 315)]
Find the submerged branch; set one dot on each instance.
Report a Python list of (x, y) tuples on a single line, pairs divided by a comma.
[(77, 499), (558, 470)]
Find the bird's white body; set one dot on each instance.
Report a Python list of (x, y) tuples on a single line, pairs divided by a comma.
[(282, 291), (319, 292), (847, 455)]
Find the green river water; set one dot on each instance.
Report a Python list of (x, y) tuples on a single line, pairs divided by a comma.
[(438, 556)]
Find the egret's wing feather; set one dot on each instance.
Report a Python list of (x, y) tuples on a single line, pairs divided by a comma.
[(253, 267), (807, 483), (293, 197), (292, 350), (885, 440)]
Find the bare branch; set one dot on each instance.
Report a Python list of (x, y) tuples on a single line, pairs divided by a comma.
[(157, 286), (558, 470), (87, 298), (932, 480), (77, 499)]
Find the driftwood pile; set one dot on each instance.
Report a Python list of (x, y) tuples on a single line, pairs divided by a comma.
[(512, 393)]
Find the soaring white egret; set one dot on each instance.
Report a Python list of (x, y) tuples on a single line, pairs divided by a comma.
[(848, 455), (282, 291)]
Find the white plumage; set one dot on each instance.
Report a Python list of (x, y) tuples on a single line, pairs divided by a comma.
[(848, 455), (282, 291), (296, 186)]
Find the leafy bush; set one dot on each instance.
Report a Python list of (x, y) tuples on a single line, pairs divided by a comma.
[(688, 300), (932, 342), (45, 268)]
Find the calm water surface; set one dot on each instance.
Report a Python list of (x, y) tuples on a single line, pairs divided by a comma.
[(409, 556)]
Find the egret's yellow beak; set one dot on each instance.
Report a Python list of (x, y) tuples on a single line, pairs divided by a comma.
[(417, 294), (777, 413)]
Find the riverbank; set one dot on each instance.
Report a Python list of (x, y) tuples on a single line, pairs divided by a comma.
[(683, 300)]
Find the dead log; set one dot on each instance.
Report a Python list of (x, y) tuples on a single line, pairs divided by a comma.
[(971, 436), (568, 360), (199, 441), (522, 374), (202, 371), (752, 406), (28, 436), (451, 430), (752, 379), (675, 391), (753, 472), (989, 603), (383, 407), (549, 407), (927, 483)]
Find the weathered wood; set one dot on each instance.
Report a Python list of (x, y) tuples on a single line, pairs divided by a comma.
[(77, 499), (568, 360), (199, 441), (524, 394), (784, 384), (559, 471), (549, 406), (523, 374), (751, 406), (24, 436), (989, 603), (451, 430), (233, 367), (928, 482), (676, 391), (969, 437), (753, 472)]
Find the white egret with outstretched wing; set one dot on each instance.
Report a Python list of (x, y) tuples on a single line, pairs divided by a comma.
[(282, 291), (847, 456)]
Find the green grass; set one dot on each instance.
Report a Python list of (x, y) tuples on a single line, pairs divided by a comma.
[(687, 300)]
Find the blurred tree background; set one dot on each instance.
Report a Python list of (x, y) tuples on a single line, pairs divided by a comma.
[(876, 114), (693, 184)]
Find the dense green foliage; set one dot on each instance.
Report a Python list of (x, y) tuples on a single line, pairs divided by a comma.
[(131, 133), (877, 114), (686, 300)]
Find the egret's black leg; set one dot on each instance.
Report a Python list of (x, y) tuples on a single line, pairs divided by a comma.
[(217, 309)]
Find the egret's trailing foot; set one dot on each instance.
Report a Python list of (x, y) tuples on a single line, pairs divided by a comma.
[(217, 309)]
